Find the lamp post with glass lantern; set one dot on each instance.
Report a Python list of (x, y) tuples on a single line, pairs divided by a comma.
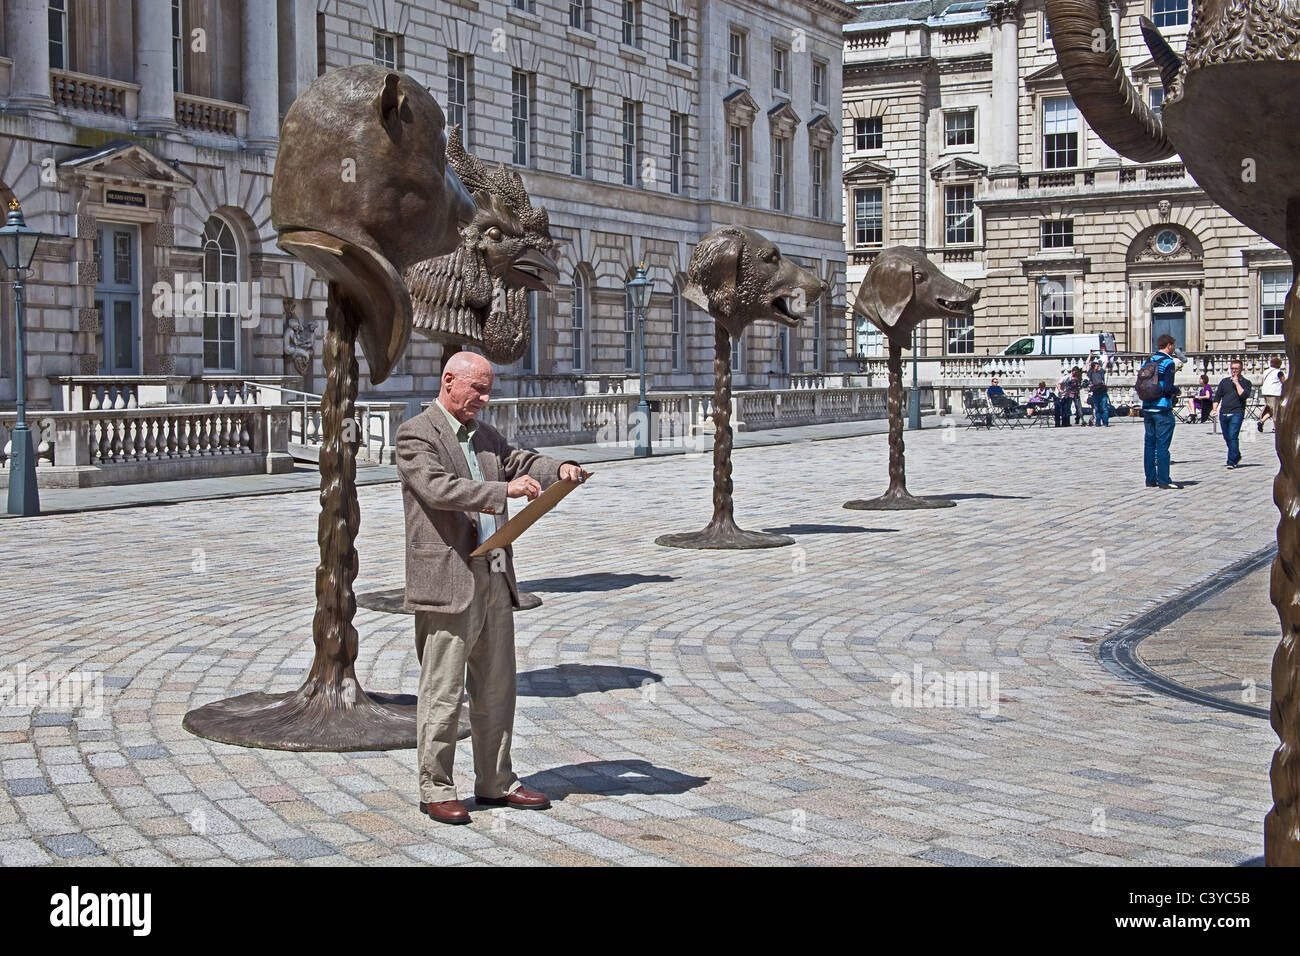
[(18, 248), (639, 288)]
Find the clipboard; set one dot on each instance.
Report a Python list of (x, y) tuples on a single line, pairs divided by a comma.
[(532, 512)]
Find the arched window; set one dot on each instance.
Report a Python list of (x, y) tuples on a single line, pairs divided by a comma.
[(220, 297), (1169, 301), (579, 321)]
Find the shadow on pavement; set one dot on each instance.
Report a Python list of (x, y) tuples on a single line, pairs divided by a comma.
[(823, 529), (599, 581), (570, 680), (611, 778)]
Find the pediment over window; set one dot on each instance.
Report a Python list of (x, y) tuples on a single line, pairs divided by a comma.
[(740, 107), (868, 172), (958, 169), (783, 120), (1049, 75), (126, 164), (822, 132)]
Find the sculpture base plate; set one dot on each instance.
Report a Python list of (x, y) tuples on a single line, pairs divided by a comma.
[(392, 601), (723, 538), (888, 502), (295, 722), (528, 601)]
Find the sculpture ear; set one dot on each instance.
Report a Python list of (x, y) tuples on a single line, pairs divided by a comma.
[(885, 293), (392, 106)]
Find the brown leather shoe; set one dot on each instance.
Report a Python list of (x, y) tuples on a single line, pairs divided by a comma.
[(523, 798), (446, 811)]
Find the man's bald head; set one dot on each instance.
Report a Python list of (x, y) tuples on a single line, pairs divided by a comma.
[(466, 385)]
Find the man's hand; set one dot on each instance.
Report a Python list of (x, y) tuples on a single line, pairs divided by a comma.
[(574, 473), (523, 487)]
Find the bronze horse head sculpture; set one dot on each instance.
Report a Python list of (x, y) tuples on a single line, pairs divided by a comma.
[(1230, 114)]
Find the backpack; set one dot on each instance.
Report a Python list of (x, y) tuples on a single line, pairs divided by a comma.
[(1148, 385)]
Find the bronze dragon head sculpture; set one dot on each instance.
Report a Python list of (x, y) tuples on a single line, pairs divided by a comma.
[(478, 294)]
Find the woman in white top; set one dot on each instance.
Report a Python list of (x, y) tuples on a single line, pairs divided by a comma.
[(1270, 389)]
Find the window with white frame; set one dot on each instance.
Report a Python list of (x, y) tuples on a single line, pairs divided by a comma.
[(736, 354), (528, 363), (677, 39), (386, 50), (1156, 97), (959, 334), (736, 163), (579, 14), (818, 81), (629, 332), (1047, 28), (632, 23), (1170, 13), (868, 216), (780, 68), (736, 65), (1056, 233), (817, 334), (178, 47), (676, 345), (868, 340), (1274, 284), (959, 213), (783, 350), (578, 131), (676, 137), (220, 297), (959, 128), (1060, 133), (868, 133), (818, 177), (58, 25), (780, 172), (578, 321), (1056, 304), (631, 141), (520, 118), (524, 5), (458, 74)]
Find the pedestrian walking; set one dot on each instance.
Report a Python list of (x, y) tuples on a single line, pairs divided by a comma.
[(1061, 402), (1097, 397), (1073, 382), (1270, 389), (1230, 401), (1155, 386)]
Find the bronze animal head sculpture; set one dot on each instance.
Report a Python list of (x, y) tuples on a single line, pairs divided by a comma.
[(739, 277), (479, 293), (902, 288), (1230, 114), (362, 191)]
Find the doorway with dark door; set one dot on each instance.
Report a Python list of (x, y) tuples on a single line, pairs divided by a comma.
[(1169, 316), (117, 298)]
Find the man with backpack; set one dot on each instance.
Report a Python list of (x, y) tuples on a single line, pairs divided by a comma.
[(1155, 386)]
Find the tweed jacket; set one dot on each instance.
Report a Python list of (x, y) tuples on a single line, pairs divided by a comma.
[(438, 496)]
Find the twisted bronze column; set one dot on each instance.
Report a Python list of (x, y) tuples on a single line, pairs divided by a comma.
[(896, 496), (722, 533), (329, 711), (1282, 824)]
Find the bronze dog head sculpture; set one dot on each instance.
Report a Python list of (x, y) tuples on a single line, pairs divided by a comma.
[(739, 277), (902, 288), (362, 191), (479, 293)]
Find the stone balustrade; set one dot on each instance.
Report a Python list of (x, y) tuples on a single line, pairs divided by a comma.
[(376, 426), (81, 393), (206, 115), (94, 94), (105, 446)]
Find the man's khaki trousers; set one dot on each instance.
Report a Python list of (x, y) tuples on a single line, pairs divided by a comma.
[(471, 651)]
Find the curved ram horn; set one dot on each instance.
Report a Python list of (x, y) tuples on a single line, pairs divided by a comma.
[(1168, 61), (1097, 81)]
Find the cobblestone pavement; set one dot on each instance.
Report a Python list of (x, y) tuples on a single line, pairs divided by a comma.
[(680, 706), (1224, 646)]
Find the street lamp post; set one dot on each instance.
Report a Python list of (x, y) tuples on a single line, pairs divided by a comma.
[(914, 396), (1044, 285), (18, 248), (640, 288)]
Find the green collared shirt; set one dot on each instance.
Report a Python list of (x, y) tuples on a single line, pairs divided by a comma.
[(487, 524)]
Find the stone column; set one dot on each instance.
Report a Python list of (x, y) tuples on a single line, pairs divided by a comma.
[(27, 30), (297, 49), (261, 73), (1006, 84), (153, 68)]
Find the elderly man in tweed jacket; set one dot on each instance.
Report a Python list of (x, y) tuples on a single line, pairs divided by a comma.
[(456, 476)]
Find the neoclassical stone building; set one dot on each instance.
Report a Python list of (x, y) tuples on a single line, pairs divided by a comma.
[(961, 138), (140, 137)]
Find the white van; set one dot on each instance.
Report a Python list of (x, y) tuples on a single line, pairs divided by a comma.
[(1064, 344)]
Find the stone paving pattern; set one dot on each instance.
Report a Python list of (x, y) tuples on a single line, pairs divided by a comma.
[(681, 707)]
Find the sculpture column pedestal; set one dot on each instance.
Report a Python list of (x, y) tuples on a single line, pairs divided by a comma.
[(330, 711), (896, 496), (722, 533)]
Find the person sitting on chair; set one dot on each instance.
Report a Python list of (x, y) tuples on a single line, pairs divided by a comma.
[(1039, 400), (995, 391)]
